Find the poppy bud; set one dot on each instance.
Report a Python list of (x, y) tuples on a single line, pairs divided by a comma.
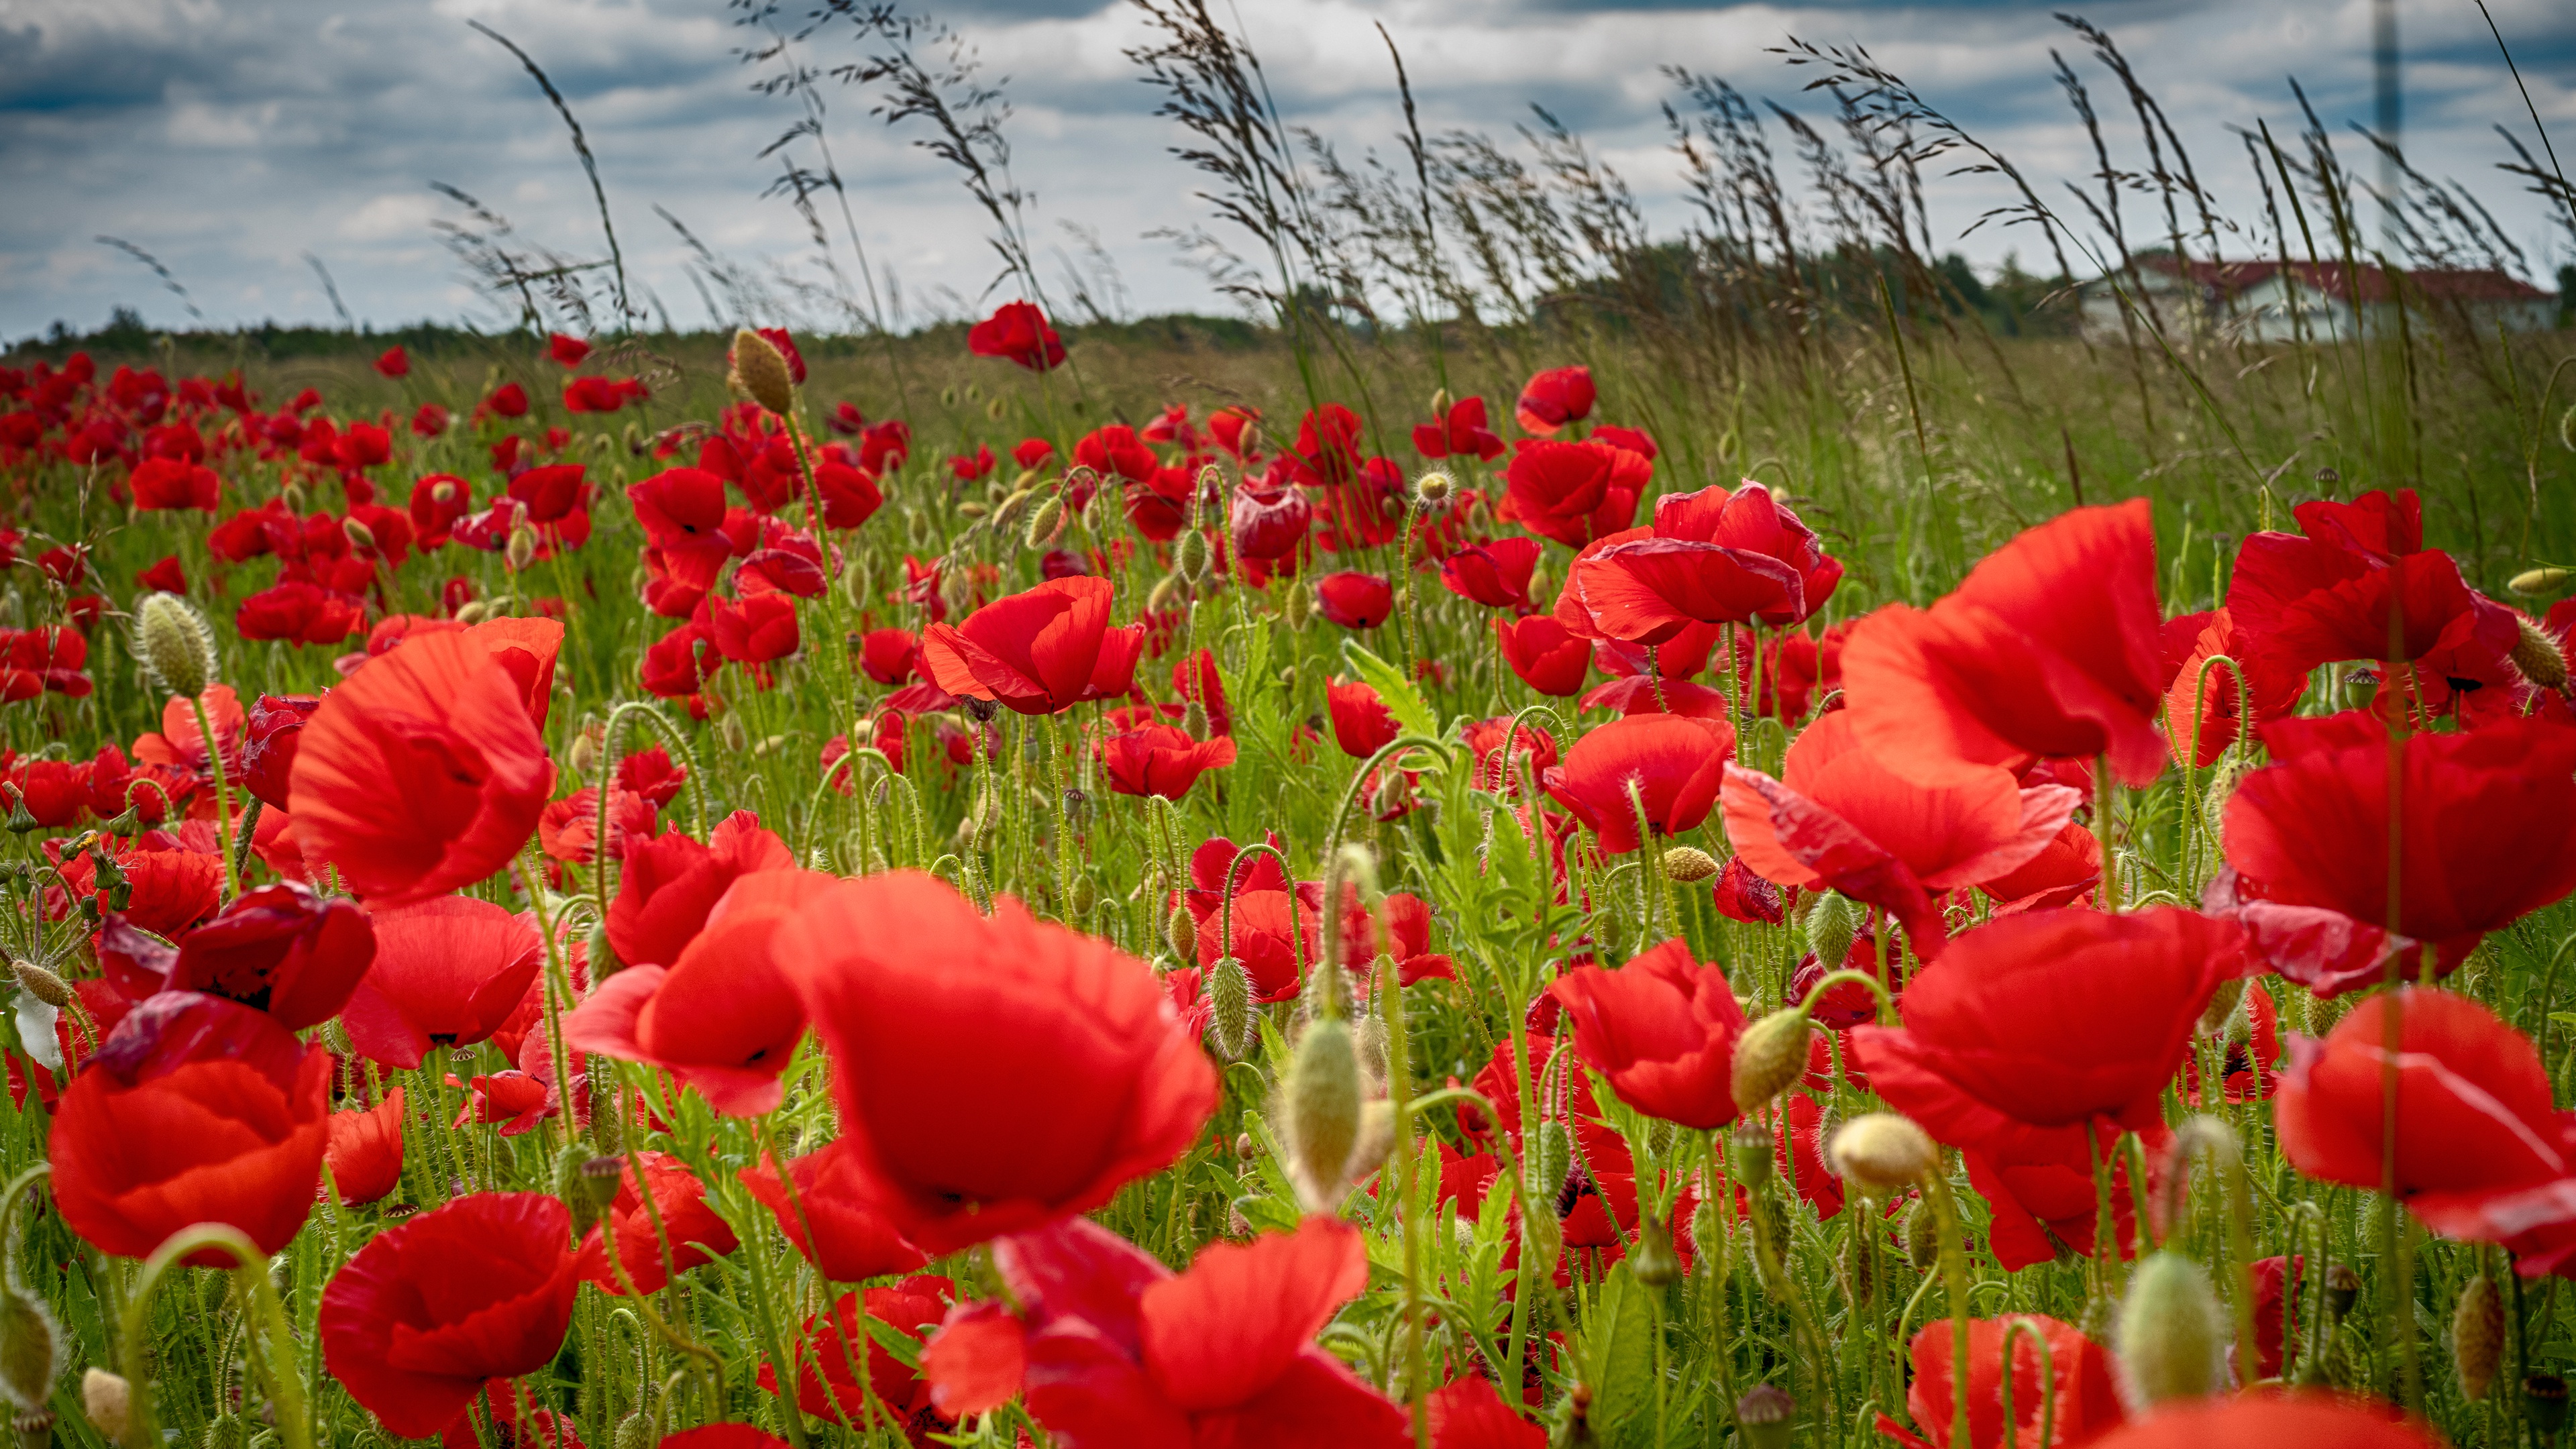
[(2544, 1400), (736, 738), (2172, 1336), (43, 985), (472, 611), (2477, 1336), (31, 1351), (292, 496), (1440, 402), (2539, 580), (1748, 1154), (1194, 720), (1166, 593), (1552, 1159), (20, 822), (1046, 523), (1542, 1237), (1230, 1007), (1296, 605), (2537, 655), (225, 1431), (1190, 556), (1387, 800), (2219, 1018), (521, 550), (761, 372), (1688, 865), (1181, 931), (358, 534), (1323, 1108), (2342, 1287), (1771, 1054), (2329, 476), (583, 753), (175, 644), (1922, 1235), (1880, 1152), (109, 1402), (1433, 489), (635, 1431), (1009, 508), (1832, 922), (973, 509), (1764, 1414), (1376, 1139), (1655, 1260)]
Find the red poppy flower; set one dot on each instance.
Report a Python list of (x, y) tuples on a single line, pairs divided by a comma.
[(422, 773), (509, 400), (173, 483), (674, 666), (1086, 1081), (724, 1016), (2250, 1054), (1711, 557), (514, 1421), (754, 630), (1362, 724), (2049, 648), (2279, 1282), (170, 889), (1019, 332), (2065, 871), (1267, 523), (1667, 767), (2031, 1025), (2043, 1197), (1462, 432), (429, 420), (2189, 643), (2329, 592), (2484, 837), (828, 1384), (431, 1307), (566, 351), (281, 948), (1551, 399), (2079, 1398), (847, 1241), (1496, 574), (1212, 866), (1573, 492), (552, 494), (668, 885), (1662, 1029), (1038, 652), (448, 972), (1843, 821), (2271, 1418), (393, 362), (679, 1216), (1547, 656), (298, 613), (195, 1109), (1115, 1350), (366, 1150), (1161, 759), (438, 502), (888, 655), (1469, 1414), (723, 1436)]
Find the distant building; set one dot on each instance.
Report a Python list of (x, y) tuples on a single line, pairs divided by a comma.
[(2268, 302)]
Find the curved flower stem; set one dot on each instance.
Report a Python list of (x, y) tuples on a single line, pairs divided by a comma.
[(285, 1387), (1886, 1004), (2191, 756), (610, 736), (680, 1342), (1350, 797), (2023, 1326), (223, 797), (1225, 924)]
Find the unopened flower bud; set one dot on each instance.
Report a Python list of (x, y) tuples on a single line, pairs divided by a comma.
[(1550, 1160), (1181, 932), (521, 550), (1766, 1416), (1708, 1237), (635, 1431), (1748, 1154), (1434, 489), (761, 372), (31, 1351), (1229, 990), (1296, 606), (1832, 922), (736, 738), (1688, 865), (43, 985), (176, 645), (1009, 508), (2218, 1017), (2539, 580), (1191, 555), (583, 753), (1769, 1056), (2172, 1336), (1166, 594), (1194, 720), (1323, 1107), (1655, 1261), (2477, 1336), (1046, 522), (2343, 1286), (109, 1402), (1922, 1235), (1880, 1152), (358, 534), (2538, 656)]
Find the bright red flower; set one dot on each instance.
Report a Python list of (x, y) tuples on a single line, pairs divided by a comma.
[(2334, 593), (724, 1017), (1547, 656), (1030, 452), (1841, 820), (449, 971), (1114, 1350), (172, 889), (2078, 1394), (2049, 648), (172, 483), (365, 1154), (424, 772), (509, 400), (1710, 557), (602, 394), (828, 1374), (1662, 1029), (429, 420), (888, 655), (1573, 492), (679, 1215), (1362, 724), (566, 351), (2030, 1026), (2043, 1197), (2065, 871), (2189, 643), (668, 886), (1462, 432), (1551, 399), (848, 1241), (554, 494), (850, 495), (1161, 759), (1263, 921), (1469, 1414), (1673, 762), (1267, 523), (2249, 1052), (438, 502), (281, 948), (1038, 652), (674, 666), (431, 1307), (299, 613), (2279, 1283), (1019, 332), (2484, 840), (1496, 574), (2273, 1418), (393, 362), (753, 630), (1085, 1081), (195, 1109), (722, 1436)]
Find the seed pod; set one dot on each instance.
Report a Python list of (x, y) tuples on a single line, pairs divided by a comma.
[(2538, 656), (1880, 1152), (521, 550), (2343, 1285), (2172, 1335), (1831, 924), (358, 534), (177, 647), (1766, 1416), (31, 1351), (2477, 1336), (1229, 990), (2544, 1402), (1748, 1154), (109, 1402), (43, 985), (1769, 1056), (1655, 1261), (2539, 580), (1922, 1235), (1688, 865), (1046, 523), (1434, 489), (1323, 1102), (761, 372)]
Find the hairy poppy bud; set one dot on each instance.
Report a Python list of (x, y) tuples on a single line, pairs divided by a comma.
[(2537, 655), (761, 372), (2343, 1286), (225, 1431), (2220, 1016), (1542, 1238), (1688, 865), (2172, 1336), (1764, 1414), (635, 1431), (176, 645), (2477, 1336), (1046, 522), (521, 550), (31, 1351), (1181, 932), (1922, 1235), (736, 738), (1296, 605), (1655, 1261), (1009, 508), (109, 1402), (1708, 1235), (583, 754), (2539, 580), (1323, 1105), (1194, 720), (1748, 1154), (1190, 556), (2544, 1399), (358, 534), (1166, 594), (1771, 1054), (43, 985), (1551, 1160), (1229, 991), (473, 611), (1434, 489), (292, 495), (1880, 1152), (1832, 922)]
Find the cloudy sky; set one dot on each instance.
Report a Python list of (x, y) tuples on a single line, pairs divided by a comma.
[(232, 138)]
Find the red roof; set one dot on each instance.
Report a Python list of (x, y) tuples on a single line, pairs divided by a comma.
[(2483, 284)]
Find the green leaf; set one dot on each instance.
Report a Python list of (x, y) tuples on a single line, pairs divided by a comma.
[(1397, 692), (1619, 1361)]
